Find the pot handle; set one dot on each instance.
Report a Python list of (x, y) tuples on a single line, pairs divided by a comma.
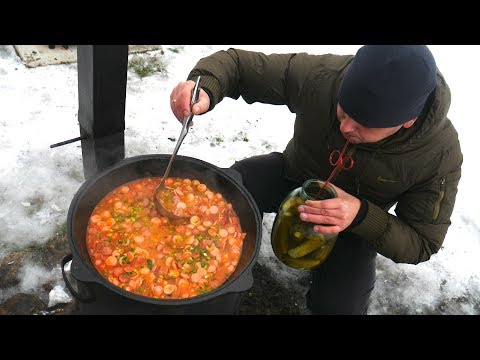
[(234, 174), (75, 293), (245, 284), (242, 285)]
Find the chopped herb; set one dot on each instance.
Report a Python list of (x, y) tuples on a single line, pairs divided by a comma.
[(150, 263)]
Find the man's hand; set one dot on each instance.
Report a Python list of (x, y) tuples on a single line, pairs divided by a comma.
[(181, 97), (332, 215)]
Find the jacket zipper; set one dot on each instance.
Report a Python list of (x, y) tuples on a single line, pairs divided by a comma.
[(441, 194)]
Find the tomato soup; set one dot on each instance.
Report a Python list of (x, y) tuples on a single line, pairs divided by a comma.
[(140, 251)]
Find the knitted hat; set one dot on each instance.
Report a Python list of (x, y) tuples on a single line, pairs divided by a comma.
[(387, 85)]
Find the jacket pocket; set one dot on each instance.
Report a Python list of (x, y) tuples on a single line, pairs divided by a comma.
[(441, 195), (445, 194)]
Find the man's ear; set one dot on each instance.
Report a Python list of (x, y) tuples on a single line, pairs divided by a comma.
[(409, 123)]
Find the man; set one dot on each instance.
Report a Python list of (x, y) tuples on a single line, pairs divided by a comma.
[(391, 103)]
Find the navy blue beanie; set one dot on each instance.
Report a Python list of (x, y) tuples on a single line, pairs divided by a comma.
[(387, 85)]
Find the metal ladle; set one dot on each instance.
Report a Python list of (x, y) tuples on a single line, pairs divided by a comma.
[(161, 187)]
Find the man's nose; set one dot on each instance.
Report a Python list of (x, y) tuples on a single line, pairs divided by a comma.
[(347, 125)]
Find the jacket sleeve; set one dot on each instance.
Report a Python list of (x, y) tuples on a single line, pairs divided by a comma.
[(271, 79), (422, 216)]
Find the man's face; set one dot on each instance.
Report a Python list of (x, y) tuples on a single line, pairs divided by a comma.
[(360, 134)]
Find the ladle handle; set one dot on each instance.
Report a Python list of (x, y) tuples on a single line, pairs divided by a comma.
[(186, 124), (183, 133)]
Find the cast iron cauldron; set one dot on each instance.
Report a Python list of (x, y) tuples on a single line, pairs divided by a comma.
[(96, 295)]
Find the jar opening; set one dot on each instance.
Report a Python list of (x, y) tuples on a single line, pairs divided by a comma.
[(311, 190)]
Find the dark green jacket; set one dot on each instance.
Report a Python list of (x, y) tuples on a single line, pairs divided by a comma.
[(418, 169)]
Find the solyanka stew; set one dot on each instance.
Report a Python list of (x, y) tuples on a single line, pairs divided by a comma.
[(147, 254)]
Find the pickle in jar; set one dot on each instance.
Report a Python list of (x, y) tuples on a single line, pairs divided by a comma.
[(292, 204), (300, 264), (280, 240), (306, 247), (297, 232), (321, 253)]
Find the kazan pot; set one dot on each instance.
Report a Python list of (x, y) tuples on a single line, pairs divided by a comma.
[(96, 295)]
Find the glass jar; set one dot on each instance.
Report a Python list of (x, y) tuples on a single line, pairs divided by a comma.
[(293, 240)]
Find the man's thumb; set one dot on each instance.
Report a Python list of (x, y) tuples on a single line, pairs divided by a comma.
[(197, 109), (202, 105)]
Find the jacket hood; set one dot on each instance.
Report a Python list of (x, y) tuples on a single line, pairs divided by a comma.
[(434, 115)]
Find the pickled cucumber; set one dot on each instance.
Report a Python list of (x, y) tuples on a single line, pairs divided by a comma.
[(307, 247), (291, 204), (297, 232), (280, 241), (321, 253), (301, 264)]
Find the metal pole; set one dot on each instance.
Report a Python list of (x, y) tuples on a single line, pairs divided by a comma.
[(102, 84)]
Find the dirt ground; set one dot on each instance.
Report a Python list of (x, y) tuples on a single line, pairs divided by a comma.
[(269, 297)]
